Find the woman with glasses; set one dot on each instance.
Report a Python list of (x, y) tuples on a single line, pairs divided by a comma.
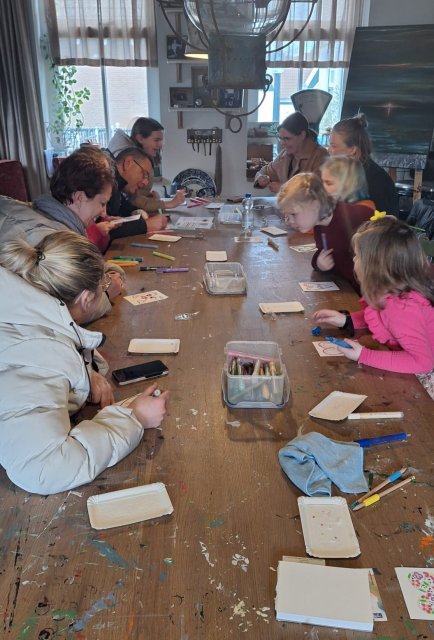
[(45, 369), (300, 153), (306, 205)]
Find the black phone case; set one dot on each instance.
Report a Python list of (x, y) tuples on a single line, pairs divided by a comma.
[(144, 371)]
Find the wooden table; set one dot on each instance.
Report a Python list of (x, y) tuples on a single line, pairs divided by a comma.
[(208, 571)]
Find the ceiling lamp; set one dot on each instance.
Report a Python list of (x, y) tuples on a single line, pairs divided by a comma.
[(236, 34)]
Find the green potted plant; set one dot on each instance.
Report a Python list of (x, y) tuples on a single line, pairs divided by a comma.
[(68, 121)]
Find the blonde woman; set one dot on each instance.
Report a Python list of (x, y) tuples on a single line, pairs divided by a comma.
[(345, 180), (306, 205), (45, 370)]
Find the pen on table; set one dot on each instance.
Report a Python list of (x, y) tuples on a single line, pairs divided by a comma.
[(392, 437), (324, 242), (273, 244), (393, 476), (341, 343), (377, 496), (162, 255), (144, 246), (124, 263), (127, 258), (376, 415), (173, 270), (152, 268)]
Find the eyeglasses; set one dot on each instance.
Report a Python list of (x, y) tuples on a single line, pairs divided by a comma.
[(284, 138), (145, 174), (106, 282)]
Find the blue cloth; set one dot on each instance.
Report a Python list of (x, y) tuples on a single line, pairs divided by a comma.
[(313, 461)]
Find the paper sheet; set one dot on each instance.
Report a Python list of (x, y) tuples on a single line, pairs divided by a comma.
[(417, 586), (319, 286), (145, 297), (326, 349)]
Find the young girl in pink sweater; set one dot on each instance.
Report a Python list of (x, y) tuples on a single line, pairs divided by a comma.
[(398, 299)]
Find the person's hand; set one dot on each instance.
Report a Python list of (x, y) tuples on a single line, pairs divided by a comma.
[(274, 187), (101, 391), (262, 181), (108, 223), (329, 316), (117, 285), (177, 200), (156, 223), (325, 260), (148, 410), (354, 352)]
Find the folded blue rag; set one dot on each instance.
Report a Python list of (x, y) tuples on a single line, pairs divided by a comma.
[(313, 461)]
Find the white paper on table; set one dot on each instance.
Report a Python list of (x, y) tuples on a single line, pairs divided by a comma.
[(214, 205), (303, 248), (337, 405), (326, 349), (216, 256), (417, 586), (145, 297), (274, 231), (323, 595), (376, 602), (163, 237), (192, 222), (281, 307), (319, 286)]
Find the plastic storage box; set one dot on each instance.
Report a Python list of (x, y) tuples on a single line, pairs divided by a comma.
[(254, 391), (225, 278)]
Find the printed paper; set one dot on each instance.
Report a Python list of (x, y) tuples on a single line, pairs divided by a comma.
[(319, 286), (417, 587), (145, 297), (327, 349)]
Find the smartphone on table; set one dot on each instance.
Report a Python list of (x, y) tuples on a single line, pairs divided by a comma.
[(145, 371)]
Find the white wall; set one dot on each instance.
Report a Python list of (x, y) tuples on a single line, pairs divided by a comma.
[(400, 12), (178, 155)]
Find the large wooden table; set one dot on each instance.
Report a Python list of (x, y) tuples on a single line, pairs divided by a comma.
[(208, 571)]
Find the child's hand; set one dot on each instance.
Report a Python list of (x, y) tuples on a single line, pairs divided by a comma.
[(325, 260), (354, 352), (329, 316)]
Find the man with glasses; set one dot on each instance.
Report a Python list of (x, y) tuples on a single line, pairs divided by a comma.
[(300, 153), (133, 171)]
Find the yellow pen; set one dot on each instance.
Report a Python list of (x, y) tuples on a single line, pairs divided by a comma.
[(162, 255), (377, 496)]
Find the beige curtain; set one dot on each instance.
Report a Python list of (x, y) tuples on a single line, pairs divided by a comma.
[(327, 39), (116, 33), (21, 121)]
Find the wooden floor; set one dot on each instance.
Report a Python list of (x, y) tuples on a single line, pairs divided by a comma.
[(208, 571)]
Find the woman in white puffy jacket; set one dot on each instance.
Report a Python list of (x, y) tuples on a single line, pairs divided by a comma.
[(45, 370)]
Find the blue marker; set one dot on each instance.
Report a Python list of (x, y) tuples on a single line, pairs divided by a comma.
[(392, 437), (341, 343)]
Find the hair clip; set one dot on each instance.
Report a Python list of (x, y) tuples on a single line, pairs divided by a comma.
[(39, 256), (378, 215)]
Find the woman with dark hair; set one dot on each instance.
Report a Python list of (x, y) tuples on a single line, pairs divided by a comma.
[(349, 137), (301, 153), (147, 134)]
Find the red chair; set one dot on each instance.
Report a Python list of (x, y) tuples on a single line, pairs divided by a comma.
[(12, 182)]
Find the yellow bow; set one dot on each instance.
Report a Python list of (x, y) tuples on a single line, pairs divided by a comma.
[(378, 215)]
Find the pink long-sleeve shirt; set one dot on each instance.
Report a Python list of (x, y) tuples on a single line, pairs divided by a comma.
[(406, 326)]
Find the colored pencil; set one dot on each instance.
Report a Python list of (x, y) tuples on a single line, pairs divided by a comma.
[(377, 496)]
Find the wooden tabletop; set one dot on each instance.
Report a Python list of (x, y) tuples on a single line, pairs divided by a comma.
[(208, 570)]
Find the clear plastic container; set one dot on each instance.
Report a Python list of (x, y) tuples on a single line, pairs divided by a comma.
[(225, 278), (255, 391)]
